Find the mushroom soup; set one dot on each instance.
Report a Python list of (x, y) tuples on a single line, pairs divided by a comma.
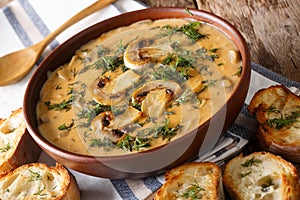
[(138, 87)]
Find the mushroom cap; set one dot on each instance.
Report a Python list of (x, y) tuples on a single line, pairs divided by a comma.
[(173, 86), (113, 90), (141, 53)]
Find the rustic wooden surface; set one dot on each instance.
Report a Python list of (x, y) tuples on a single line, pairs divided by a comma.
[(270, 27)]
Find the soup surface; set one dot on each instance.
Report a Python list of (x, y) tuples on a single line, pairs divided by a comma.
[(138, 87)]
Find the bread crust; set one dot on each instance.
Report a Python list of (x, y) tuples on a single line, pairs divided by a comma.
[(21, 148), (206, 176), (280, 137), (41, 181), (269, 177)]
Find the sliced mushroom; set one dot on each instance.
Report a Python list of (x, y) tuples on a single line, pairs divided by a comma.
[(234, 56), (170, 86), (155, 96), (68, 72), (111, 88), (65, 74), (114, 127), (227, 82), (155, 103), (141, 53), (126, 80)]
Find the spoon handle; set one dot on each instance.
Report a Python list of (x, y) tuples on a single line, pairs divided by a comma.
[(99, 4)]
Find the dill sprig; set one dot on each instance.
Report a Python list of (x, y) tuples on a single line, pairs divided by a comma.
[(92, 111), (192, 31), (282, 122), (105, 143), (131, 143), (64, 105), (250, 162), (193, 192), (239, 71), (180, 63), (188, 11), (40, 191), (34, 176), (245, 174), (64, 127), (6, 148), (165, 131)]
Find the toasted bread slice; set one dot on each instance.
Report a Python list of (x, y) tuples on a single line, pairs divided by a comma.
[(39, 181), (16, 145), (278, 112), (261, 175), (197, 180)]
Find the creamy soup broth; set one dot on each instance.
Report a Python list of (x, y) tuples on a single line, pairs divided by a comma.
[(138, 87)]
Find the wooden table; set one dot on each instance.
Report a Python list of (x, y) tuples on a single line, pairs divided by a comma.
[(270, 27)]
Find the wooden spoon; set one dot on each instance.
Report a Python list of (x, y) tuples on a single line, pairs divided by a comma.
[(16, 65)]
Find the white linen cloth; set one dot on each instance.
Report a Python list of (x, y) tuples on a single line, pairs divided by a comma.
[(25, 22)]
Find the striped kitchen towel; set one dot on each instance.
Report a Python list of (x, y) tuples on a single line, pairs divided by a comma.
[(25, 22)]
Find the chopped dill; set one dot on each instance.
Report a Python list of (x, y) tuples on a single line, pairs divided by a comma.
[(39, 192), (245, 174), (89, 113), (136, 105), (105, 143), (168, 59), (64, 105), (188, 11), (192, 31), (206, 84), (165, 131), (272, 109), (101, 51), (34, 176), (239, 72), (186, 97), (282, 122), (192, 192), (213, 50), (131, 143), (64, 127), (250, 162), (6, 148), (213, 57)]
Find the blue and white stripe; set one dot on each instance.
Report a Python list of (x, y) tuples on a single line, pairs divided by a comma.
[(17, 27), (38, 22)]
